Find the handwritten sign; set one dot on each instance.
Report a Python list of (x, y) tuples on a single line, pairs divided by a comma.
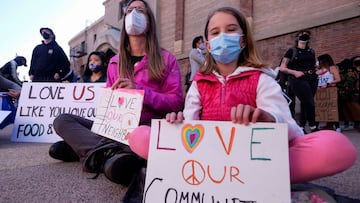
[(41, 103), (118, 113), (326, 104), (214, 161)]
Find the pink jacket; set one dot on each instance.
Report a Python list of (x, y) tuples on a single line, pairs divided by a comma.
[(160, 97)]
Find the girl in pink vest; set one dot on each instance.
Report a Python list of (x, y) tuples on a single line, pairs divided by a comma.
[(234, 85)]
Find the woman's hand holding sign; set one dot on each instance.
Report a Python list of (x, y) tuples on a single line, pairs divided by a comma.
[(123, 83)]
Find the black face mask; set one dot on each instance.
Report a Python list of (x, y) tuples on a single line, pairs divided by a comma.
[(46, 35), (304, 37)]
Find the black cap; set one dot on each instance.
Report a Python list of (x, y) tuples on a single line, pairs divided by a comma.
[(20, 60), (46, 28)]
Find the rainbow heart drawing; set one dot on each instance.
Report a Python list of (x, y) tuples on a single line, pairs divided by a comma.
[(191, 136)]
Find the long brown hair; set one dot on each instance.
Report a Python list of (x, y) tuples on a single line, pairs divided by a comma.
[(153, 49), (326, 61), (248, 57)]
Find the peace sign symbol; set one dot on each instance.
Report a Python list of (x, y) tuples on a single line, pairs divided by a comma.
[(193, 172)]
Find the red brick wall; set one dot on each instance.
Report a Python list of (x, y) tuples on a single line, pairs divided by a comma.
[(274, 23)]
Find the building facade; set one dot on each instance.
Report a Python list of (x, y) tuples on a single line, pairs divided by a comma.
[(334, 24)]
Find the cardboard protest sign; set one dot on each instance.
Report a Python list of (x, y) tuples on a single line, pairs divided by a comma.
[(326, 104), (118, 113), (40, 103), (214, 161)]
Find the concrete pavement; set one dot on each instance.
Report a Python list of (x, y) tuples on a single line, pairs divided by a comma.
[(28, 174)]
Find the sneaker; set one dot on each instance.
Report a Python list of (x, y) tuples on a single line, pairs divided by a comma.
[(62, 151), (349, 127), (314, 129), (122, 167)]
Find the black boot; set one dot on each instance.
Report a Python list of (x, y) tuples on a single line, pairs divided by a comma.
[(122, 167), (62, 151), (116, 160), (96, 158)]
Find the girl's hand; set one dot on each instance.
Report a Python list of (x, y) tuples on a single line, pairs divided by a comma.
[(123, 83), (175, 117), (244, 114)]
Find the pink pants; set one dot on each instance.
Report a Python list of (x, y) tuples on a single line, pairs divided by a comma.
[(312, 156), (320, 154)]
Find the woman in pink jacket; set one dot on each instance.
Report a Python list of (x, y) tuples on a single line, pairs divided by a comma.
[(140, 64)]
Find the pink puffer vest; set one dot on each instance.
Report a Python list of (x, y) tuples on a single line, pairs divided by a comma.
[(217, 99)]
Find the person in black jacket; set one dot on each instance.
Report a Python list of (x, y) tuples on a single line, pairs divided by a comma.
[(49, 62)]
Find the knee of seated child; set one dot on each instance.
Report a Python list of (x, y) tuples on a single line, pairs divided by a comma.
[(338, 147)]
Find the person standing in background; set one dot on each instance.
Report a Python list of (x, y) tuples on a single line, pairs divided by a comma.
[(299, 63), (9, 70), (196, 57), (49, 62), (328, 76), (356, 64)]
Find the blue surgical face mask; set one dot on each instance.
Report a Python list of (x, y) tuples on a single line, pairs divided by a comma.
[(202, 46), (225, 48)]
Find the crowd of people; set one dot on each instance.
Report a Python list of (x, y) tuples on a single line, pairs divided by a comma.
[(228, 82)]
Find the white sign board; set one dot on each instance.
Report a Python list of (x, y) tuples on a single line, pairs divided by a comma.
[(217, 161), (40, 103), (118, 113)]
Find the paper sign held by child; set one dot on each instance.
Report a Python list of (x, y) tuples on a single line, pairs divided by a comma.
[(217, 161), (118, 113)]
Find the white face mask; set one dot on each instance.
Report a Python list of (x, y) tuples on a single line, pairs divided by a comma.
[(135, 23)]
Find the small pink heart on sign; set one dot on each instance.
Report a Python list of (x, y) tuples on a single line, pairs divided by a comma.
[(191, 136), (120, 101)]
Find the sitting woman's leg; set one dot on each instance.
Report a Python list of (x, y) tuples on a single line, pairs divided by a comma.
[(76, 132)]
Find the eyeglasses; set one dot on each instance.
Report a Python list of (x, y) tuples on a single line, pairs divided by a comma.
[(139, 9)]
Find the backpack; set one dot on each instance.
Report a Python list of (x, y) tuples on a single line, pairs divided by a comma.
[(347, 86)]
